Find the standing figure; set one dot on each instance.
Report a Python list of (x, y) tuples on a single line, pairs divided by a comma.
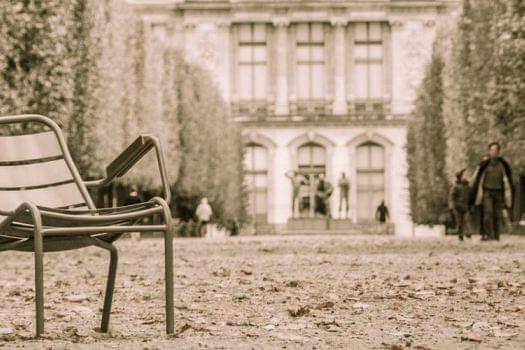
[(297, 180), (323, 191), (344, 189), (203, 214), (493, 190), (458, 203), (476, 211), (382, 214)]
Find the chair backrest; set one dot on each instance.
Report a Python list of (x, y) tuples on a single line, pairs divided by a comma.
[(37, 167)]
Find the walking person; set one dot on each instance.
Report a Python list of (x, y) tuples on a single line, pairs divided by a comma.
[(203, 214), (344, 190), (476, 211), (493, 190), (459, 203), (382, 214)]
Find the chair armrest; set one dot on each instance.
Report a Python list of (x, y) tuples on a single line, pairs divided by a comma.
[(129, 157)]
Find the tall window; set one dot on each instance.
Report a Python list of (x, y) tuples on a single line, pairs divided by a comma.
[(368, 61), (311, 161), (252, 72), (370, 179), (310, 59), (256, 165)]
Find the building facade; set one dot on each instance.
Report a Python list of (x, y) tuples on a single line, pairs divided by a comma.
[(319, 87)]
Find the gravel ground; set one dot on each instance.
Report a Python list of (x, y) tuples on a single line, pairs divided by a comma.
[(274, 292)]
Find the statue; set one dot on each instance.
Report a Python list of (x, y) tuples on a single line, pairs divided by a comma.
[(344, 191), (297, 180)]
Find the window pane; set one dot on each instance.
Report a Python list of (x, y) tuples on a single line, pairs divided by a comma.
[(260, 158), (259, 53), (363, 211), (377, 180), (375, 31), (303, 156), (376, 198), (302, 33), (317, 33), (261, 181), (245, 54), (260, 83), (245, 33), (362, 157), (376, 51), (317, 53), (360, 52), (302, 53), (376, 80), (362, 180), (377, 157), (318, 155), (318, 74), (245, 82), (248, 160), (259, 32), (303, 81), (361, 81), (260, 202), (360, 32)]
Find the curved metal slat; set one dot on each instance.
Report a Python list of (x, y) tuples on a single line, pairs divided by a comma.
[(29, 147), (56, 196), (35, 174)]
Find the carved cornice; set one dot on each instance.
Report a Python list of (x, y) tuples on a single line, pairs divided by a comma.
[(339, 21), (281, 22)]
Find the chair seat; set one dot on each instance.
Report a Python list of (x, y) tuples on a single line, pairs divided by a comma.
[(66, 229)]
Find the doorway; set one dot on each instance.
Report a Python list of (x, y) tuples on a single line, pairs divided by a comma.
[(311, 163)]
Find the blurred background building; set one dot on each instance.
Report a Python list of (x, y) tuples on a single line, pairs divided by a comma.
[(319, 87)]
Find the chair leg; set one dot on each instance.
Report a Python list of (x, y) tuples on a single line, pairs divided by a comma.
[(110, 285), (168, 253), (39, 282)]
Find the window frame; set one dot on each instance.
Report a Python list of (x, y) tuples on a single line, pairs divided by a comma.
[(310, 62), (368, 103), (253, 62)]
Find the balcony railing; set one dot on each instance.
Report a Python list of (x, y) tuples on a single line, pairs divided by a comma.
[(314, 111)]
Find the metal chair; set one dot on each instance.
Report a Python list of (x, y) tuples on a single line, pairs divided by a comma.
[(45, 205)]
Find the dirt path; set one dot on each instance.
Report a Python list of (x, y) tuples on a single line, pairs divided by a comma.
[(278, 292)]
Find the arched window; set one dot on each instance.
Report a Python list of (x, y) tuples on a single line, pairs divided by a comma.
[(370, 170), (256, 166), (311, 162)]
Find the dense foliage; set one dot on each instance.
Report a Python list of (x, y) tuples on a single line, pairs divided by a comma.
[(484, 84), (427, 148), (98, 70)]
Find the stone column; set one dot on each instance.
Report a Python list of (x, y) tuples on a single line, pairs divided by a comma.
[(281, 98), (224, 58), (339, 106)]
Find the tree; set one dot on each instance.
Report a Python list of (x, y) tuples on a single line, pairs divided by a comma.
[(96, 69), (35, 63), (426, 148)]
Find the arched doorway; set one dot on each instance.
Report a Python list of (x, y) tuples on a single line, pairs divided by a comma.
[(370, 171), (256, 180), (311, 162)]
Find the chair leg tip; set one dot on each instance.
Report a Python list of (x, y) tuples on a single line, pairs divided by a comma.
[(101, 329)]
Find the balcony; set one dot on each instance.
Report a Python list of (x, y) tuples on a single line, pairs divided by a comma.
[(316, 112)]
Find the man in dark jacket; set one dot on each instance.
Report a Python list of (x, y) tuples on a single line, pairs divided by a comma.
[(459, 203), (493, 190)]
